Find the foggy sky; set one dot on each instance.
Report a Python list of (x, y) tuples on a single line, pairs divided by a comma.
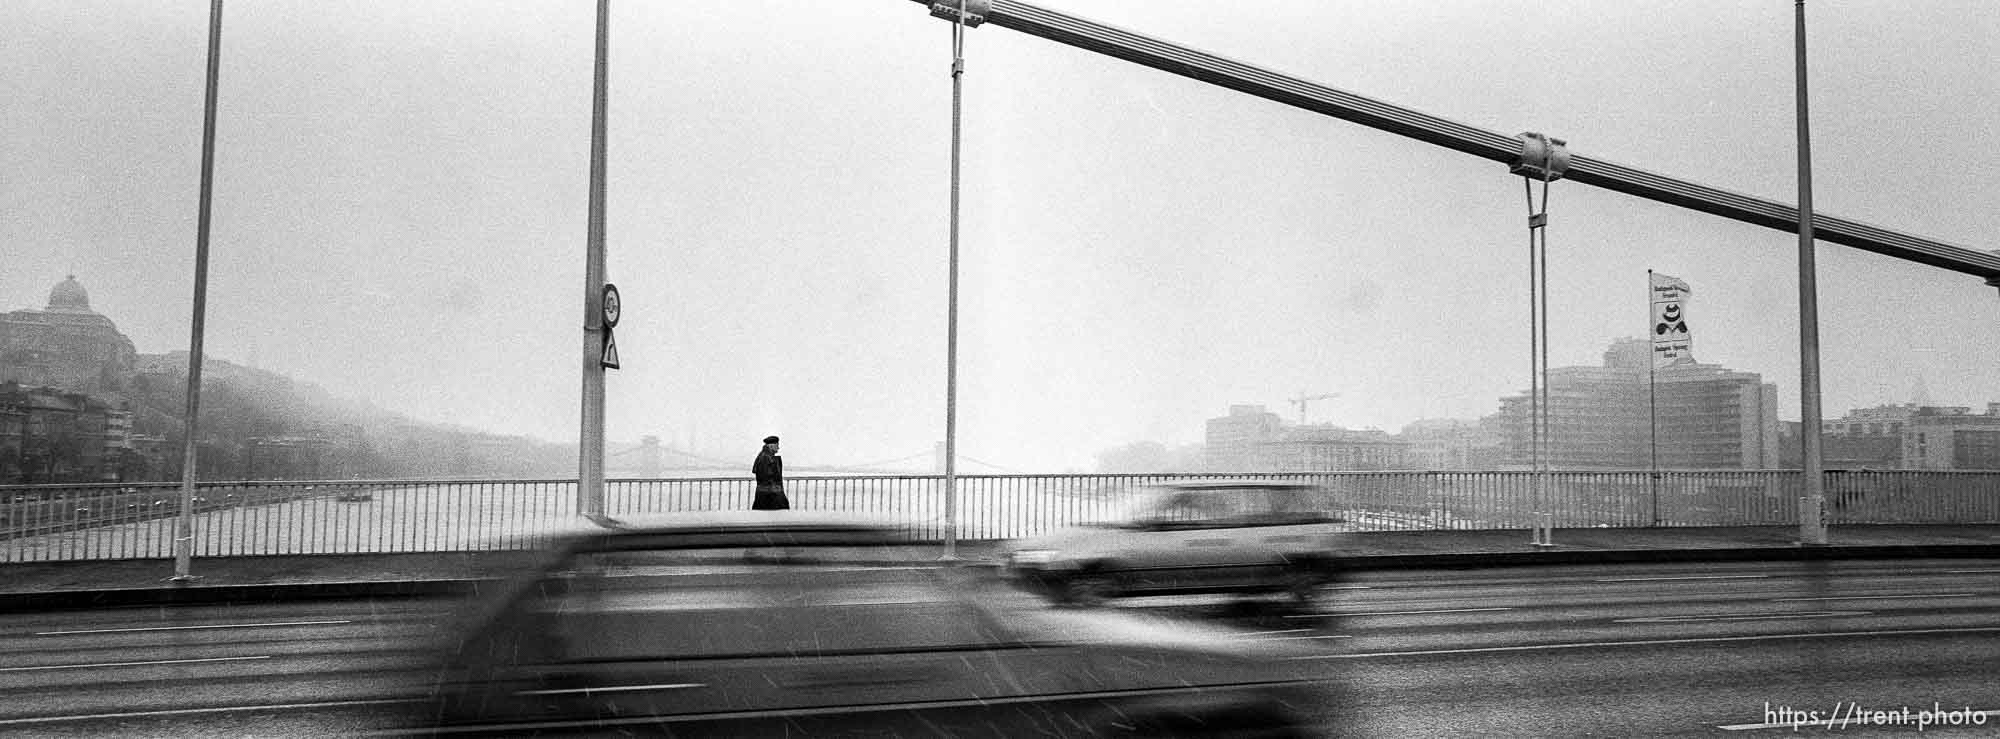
[(400, 208)]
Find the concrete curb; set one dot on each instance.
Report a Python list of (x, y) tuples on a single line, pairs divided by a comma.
[(197, 593)]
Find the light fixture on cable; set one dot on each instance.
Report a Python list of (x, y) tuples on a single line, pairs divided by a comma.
[(1542, 158), (975, 10)]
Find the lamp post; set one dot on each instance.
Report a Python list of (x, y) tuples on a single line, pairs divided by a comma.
[(184, 525), (590, 447), (1812, 505), (962, 14)]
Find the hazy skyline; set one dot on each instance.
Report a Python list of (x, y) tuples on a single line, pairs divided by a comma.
[(399, 211)]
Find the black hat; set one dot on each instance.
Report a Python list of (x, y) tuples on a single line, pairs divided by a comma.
[(770, 439)]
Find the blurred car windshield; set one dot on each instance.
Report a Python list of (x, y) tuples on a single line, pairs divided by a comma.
[(626, 603), (1247, 503)]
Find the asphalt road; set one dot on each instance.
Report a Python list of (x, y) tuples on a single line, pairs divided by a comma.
[(1652, 650), (1626, 650)]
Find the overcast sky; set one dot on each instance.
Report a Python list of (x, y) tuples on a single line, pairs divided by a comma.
[(400, 208)]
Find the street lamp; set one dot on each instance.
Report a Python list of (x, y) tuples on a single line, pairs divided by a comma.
[(184, 525)]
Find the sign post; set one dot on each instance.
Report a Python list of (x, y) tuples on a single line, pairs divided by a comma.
[(609, 307), (596, 335)]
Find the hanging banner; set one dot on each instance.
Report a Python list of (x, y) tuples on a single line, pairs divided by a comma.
[(1672, 344)]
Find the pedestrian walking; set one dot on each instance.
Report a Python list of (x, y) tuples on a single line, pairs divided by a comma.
[(770, 471)]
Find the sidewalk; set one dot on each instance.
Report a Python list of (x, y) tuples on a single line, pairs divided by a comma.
[(46, 585)]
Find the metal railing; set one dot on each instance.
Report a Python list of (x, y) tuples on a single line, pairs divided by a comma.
[(114, 521)]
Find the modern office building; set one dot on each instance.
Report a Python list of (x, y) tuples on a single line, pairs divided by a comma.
[(1240, 441), (1623, 415)]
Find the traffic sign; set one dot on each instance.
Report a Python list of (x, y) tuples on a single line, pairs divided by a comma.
[(610, 306), (610, 358)]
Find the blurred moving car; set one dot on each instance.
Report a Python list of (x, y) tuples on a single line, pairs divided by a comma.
[(763, 624), (1205, 536)]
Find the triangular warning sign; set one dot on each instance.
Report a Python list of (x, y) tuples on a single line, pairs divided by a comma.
[(610, 358)]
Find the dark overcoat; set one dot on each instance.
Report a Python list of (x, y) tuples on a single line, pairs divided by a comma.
[(770, 471)]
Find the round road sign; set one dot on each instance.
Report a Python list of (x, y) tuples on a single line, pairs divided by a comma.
[(610, 305)]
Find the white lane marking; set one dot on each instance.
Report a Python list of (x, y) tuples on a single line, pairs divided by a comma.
[(1320, 636), (612, 689), (1968, 572), (597, 725), (1878, 597), (1682, 577), (1729, 617), (738, 569), (191, 711), (1822, 723), (189, 628), (134, 664), (1279, 631), (1653, 642), (874, 568), (1398, 613)]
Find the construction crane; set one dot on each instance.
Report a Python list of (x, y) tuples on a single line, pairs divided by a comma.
[(1303, 399)]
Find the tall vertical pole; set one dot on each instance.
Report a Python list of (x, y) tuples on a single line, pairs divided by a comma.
[(1812, 527), (1549, 442), (590, 448), (951, 311), (1534, 376), (184, 526), (1652, 410), (1538, 337)]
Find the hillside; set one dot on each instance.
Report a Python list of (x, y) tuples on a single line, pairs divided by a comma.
[(263, 425)]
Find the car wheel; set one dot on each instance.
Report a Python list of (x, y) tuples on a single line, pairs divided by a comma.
[(1089, 589), (1307, 587)]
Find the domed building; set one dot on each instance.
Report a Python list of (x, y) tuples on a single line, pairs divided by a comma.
[(66, 346)]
